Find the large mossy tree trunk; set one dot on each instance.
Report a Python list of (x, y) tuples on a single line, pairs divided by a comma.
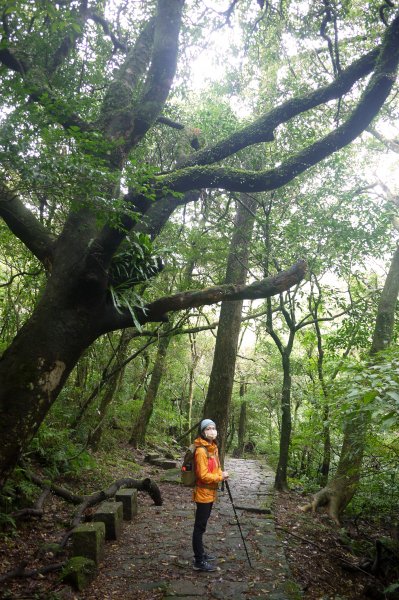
[(339, 491), (139, 431), (34, 369), (218, 398)]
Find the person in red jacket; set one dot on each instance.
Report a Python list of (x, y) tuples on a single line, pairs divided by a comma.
[(208, 474)]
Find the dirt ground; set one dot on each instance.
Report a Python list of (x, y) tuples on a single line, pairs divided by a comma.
[(316, 550), (328, 562)]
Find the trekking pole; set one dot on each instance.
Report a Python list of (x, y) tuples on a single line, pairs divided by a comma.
[(238, 522)]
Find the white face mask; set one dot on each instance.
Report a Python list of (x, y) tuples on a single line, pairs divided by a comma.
[(210, 433)]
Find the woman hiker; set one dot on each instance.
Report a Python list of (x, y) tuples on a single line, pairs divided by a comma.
[(208, 475)]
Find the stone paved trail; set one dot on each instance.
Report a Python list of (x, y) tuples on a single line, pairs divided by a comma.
[(153, 557)]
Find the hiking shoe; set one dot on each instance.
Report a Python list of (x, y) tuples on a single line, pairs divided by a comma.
[(203, 565), (209, 557)]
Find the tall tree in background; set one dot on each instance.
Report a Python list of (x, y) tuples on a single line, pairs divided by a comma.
[(218, 398), (79, 104), (341, 488), (140, 427)]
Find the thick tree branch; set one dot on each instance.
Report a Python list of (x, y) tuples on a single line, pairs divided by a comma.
[(25, 226), (366, 109), (11, 59), (155, 215), (157, 311), (143, 485), (163, 67), (262, 129), (117, 110), (170, 123)]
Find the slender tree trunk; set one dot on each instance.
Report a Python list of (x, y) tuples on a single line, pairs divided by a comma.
[(340, 490), (140, 428), (194, 363), (230, 435), (81, 373), (286, 426), (109, 394), (143, 376), (111, 389), (325, 465), (242, 423), (217, 403)]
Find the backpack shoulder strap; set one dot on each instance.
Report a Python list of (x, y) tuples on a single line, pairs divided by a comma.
[(206, 450)]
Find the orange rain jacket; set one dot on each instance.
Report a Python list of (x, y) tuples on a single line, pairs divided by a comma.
[(207, 470)]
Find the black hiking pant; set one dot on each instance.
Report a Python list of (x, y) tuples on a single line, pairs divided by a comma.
[(202, 515)]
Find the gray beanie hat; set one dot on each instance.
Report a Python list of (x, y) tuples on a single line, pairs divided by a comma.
[(205, 424)]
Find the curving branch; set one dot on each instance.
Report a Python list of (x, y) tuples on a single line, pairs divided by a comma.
[(261, 130), (25, 226), (20, 274), (36, 79), (143, 485), (157, 310), (162, 69), (155, 215), (371, 101), (13, 60), (118, 45), (117, 109), (22, 571)]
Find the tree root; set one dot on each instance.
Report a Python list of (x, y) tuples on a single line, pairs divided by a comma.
[(85, 502), (36, 510), (327, 498), (144, 485), (21, 571)]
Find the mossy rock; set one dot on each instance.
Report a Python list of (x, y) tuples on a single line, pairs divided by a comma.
[(88, 540), (79, 572)]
